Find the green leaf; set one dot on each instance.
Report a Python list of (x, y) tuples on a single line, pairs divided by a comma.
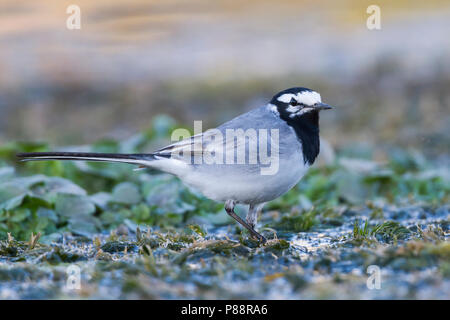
[(126, 193), (73, 205), (6, 173), (11, 195), (101, 199), (20, 215), (84, 225), (163, 192), (12, 203), (141, 213), (48, 214), (52, 186)]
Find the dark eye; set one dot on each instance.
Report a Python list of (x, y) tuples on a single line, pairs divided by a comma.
[(294, 102)]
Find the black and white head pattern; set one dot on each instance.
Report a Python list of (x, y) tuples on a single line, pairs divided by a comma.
[(296, 107), (295, 102)]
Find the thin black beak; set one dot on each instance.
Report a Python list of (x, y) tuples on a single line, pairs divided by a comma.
[(322, 106)]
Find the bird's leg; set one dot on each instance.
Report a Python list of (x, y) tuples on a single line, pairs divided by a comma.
[(229, 208), (253, 214)]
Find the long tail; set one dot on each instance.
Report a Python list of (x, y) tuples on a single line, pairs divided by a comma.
[(137, 159)]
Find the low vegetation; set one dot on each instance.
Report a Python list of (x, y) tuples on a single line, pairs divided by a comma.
[(145, 235)]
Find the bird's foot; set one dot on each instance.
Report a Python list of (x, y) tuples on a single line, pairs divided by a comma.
[(258, 236), (229, 208), (255, 234)]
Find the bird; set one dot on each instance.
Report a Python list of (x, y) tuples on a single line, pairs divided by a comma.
[(250, 160)]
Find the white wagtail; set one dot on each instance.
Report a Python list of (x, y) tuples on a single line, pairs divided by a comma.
[(289, 125)]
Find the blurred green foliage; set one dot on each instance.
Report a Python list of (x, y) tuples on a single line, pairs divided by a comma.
[(86, 198), (162, 238)]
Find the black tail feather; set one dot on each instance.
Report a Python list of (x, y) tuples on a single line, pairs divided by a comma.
[(140, 159)]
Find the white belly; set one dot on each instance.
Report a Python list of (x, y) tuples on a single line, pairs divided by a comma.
[(245, 187)]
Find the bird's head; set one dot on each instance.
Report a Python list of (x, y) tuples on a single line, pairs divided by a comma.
[(300, 107), (296, 103)]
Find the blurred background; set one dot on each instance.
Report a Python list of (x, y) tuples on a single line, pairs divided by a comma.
[(139, 68), (212, 60)]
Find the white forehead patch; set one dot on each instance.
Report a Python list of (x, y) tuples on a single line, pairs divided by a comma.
[(308, 98)]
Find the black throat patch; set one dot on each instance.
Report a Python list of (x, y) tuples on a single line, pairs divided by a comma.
[(306, 127)]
